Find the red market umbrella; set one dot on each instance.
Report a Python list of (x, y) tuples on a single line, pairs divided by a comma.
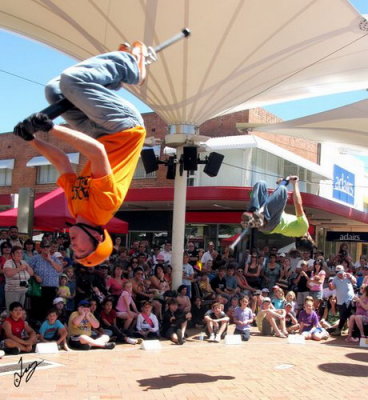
[(51, 214)]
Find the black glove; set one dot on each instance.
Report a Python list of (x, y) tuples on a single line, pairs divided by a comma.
[(36, 122)]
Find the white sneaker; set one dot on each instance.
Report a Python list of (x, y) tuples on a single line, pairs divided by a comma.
[(212, 337), (131, 341), (2, 354), (218, 339)]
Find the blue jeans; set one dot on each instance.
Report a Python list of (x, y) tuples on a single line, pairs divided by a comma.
[(273, 204), (90, 86)]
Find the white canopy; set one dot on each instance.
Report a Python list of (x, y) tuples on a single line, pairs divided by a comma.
[(347, 125), (241, 54)]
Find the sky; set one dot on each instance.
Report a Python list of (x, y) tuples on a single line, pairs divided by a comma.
[(26, 66)]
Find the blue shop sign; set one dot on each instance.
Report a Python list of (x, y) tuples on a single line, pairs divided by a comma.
[(343, 185)]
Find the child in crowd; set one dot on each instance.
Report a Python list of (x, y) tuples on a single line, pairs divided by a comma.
[(63, 315), (70, 303), (19, 336), (175, 323), (243, 318), (331, 316), (291, 322), (80, 325), (291, 298), (125, 307), (278, 301), (269, 320), (234, 303), (63, 290), (147, 323), (198, 310), (53, 330), (204, 284), (310, 327), (216, 323), (108, 323)]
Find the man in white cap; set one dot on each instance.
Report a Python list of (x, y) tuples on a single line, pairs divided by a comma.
[(343, 283)]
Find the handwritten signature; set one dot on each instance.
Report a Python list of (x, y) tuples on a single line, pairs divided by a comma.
[(28, 371)]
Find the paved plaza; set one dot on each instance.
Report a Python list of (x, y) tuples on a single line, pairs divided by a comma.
[(264, 368)]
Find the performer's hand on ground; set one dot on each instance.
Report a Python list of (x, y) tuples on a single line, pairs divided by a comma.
[(34, 123)]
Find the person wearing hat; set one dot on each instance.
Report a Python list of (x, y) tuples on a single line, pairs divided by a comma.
[(106, 129), (269, 321), (343, 283), (80, 327)]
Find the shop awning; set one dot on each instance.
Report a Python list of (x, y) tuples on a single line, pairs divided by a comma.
[(252, 141), (7, 164), (40, 160)]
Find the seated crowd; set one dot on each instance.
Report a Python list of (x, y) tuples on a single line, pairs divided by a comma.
[(45, 296)]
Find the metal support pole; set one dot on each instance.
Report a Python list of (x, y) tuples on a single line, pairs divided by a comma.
[(178, 228)]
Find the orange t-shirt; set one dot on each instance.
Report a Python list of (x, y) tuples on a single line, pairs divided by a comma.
[(99, 199)]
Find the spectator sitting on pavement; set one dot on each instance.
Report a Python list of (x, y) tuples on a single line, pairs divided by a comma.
[(331, 316), (291, 298), (59, 305), (234, 303), (174, 323), (126, 307), (198, 310), (310, 327), (268, 320), (278, 301), (243, 318), (52, 330), (216, 323), (108, 323), (291, 322), (19, 336), (183, 300), (147, 323), (360, 318), (80, 327)]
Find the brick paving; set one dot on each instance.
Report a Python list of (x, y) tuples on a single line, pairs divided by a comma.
[(265, 368)]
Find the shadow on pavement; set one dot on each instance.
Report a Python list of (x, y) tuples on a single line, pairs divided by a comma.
[(345, 369), (168, 381), (358, 356)]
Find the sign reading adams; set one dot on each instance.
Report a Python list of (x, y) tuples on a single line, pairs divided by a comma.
[(343, 185), (347, 236)]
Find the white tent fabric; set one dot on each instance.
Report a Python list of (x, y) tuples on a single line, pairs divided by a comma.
[(241, 54), (347, 125)]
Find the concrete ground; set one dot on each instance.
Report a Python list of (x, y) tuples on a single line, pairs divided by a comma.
[(266, 368)]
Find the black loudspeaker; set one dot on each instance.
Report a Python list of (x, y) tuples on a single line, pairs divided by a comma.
[(213, 164), (171, 168), (190, 158), (149, 160)]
